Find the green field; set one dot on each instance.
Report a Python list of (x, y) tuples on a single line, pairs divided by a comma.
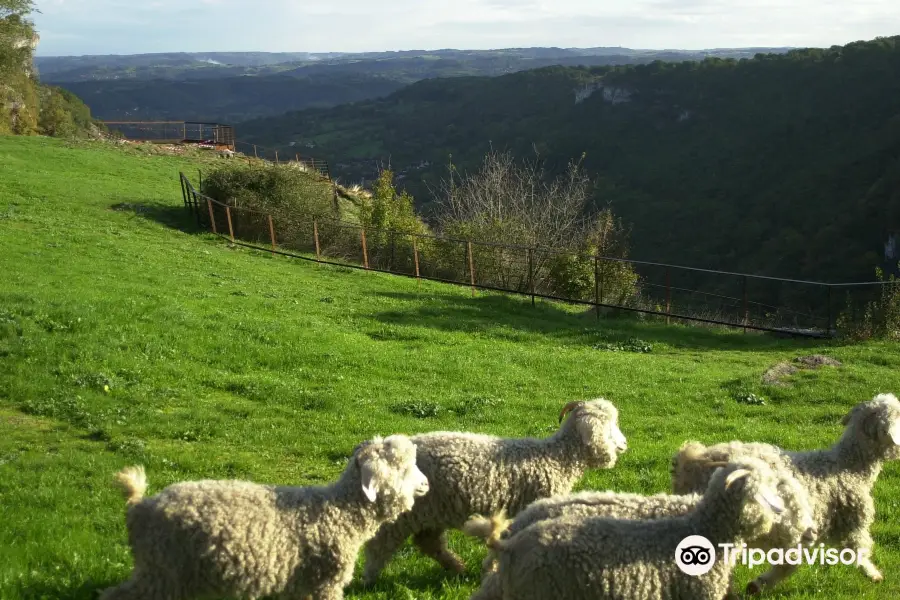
[(222, 361)]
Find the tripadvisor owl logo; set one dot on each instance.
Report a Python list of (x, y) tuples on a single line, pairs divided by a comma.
[(695, 555)]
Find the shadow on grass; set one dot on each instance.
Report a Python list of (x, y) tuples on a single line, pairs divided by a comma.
[(176, 217), (62, 590), (399, 585), (497, 313)]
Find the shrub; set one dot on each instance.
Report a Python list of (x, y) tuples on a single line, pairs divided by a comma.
[(506, 208), (879, 317), (292, 196), (63, 114), (391, 222)]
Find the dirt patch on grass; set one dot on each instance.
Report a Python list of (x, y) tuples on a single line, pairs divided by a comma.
[(777, 374)]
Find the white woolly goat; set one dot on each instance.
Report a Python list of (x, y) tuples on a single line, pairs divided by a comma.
[(603, 558), (239, 539), (795, 526), (473, 473), (839, 479)]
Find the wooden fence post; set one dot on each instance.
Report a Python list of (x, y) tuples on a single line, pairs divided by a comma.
[(255, 153), (272, 232), (230, 228), (212, 218), (471, 266), (316, 238), (276, 157), (362, 234)]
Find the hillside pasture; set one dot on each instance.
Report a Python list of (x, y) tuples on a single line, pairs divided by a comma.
[(126, 336)]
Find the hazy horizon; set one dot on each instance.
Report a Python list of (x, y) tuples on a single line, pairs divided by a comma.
[(107, 27)]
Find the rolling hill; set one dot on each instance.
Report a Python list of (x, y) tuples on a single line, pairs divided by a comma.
[(238, 86)]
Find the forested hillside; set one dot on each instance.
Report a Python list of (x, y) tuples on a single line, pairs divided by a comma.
[(786, 164), (241, 86), (225, 99)]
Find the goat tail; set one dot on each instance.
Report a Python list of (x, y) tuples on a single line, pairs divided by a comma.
[(133, 483), (488, 529)]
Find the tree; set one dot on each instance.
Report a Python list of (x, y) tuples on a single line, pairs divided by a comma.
[(390, 221), (532, 230)]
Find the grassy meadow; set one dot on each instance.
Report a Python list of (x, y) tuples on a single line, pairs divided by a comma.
[(128, 337)]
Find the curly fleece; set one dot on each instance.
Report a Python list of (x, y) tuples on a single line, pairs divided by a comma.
[(602, 558), (482, 474), (240, 539), (790, 528), (839, 480)]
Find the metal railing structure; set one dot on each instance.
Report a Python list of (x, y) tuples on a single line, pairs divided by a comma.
[(189, 132)]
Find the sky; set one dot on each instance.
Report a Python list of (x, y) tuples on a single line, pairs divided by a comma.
[(74, 27)]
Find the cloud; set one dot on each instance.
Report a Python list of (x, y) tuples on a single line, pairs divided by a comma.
[(120, 26)]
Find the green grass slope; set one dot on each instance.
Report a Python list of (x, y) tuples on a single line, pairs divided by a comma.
[(126, 337)]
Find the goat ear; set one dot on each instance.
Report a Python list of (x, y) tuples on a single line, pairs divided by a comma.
[(894, 432), (846, 418), (870, 425), (735, 476), (368, 482), (772, 501), (586, 427)]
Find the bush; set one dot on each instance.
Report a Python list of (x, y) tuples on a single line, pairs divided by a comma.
[(63, 114), (878, 318), (391, 222), (294, 198), (282, 190), (572, 275)]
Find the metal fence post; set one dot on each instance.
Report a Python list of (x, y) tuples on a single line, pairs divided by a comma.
[(597, 286), (199, 172), (416, 258), (668, 297), (362, 234), (531, 273), (830, 316), (184, 196), (316, 238), (271, 232), (746, 307), (393, 250), (471, 266)]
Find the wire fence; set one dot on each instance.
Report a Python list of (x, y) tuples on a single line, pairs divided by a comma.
[(750, 302), (317, 165)]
